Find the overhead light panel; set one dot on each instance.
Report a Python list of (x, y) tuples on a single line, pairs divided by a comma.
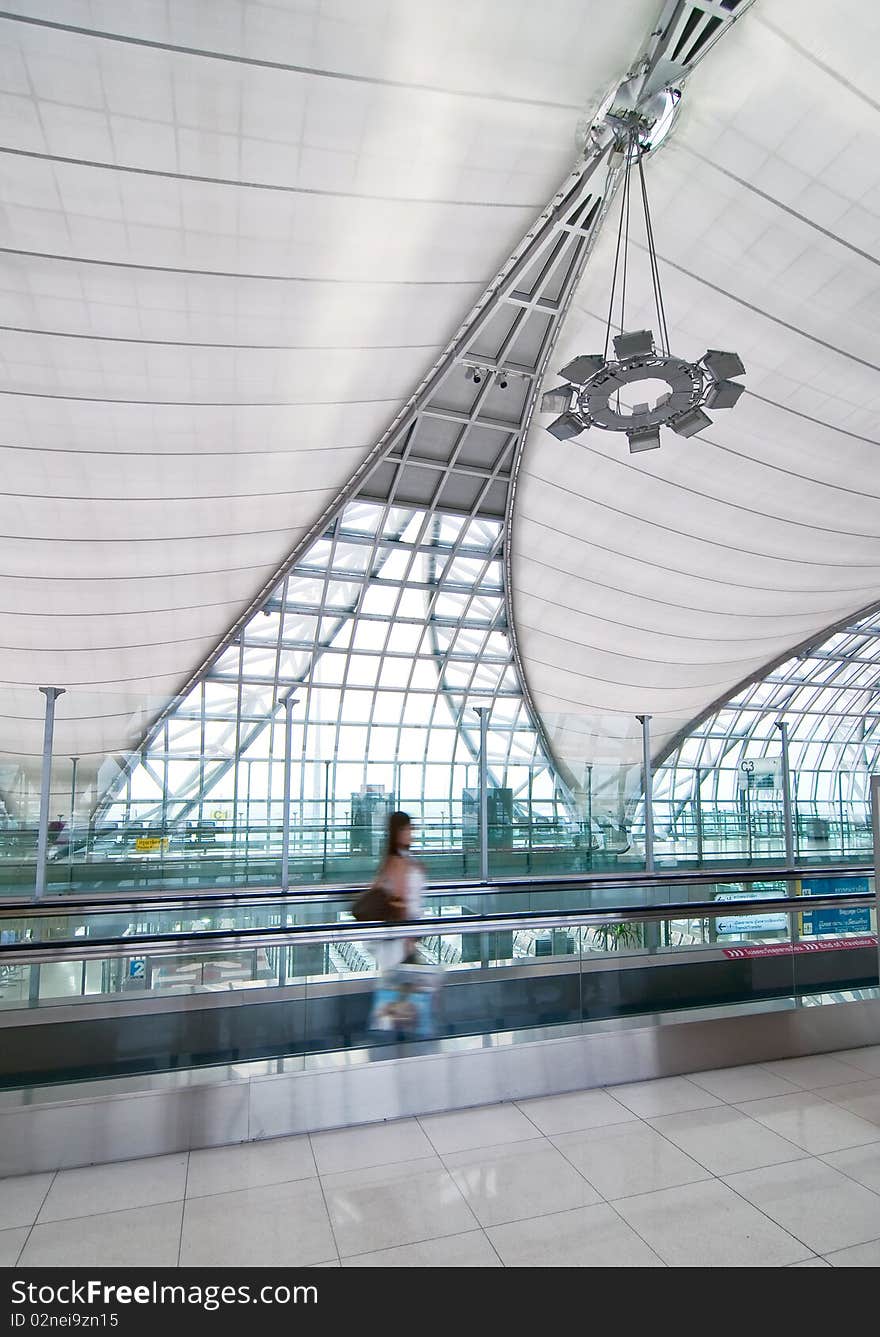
[(556, 401), (643, 438), (582, 368), (566, 426), (723, 394), (690, 422), (721, 365), (637, 343)]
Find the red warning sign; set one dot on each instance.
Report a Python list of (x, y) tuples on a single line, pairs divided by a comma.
[(795, 948)]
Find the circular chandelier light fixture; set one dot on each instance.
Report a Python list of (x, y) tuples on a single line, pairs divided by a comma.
[(602, 391)]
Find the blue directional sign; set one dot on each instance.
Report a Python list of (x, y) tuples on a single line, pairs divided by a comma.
[(848, 919)]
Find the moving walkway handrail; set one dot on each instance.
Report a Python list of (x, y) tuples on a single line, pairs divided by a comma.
[(220, 940), (110, 903)]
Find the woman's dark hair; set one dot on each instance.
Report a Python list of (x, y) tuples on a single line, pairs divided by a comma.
[(396, 823)]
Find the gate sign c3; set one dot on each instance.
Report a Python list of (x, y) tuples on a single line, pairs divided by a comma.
[(760, 773)]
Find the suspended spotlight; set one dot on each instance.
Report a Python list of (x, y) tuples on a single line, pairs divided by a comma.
[(690, 422), (638, 343), (566, 426), (720, 365), (556, 401), (643, 438), (723, 394), (468, 373), (582, 368), (502, 381)]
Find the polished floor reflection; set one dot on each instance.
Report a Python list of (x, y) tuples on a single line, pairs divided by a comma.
[(769, 1165)]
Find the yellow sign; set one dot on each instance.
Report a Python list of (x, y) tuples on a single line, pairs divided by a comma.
[(150, 844)]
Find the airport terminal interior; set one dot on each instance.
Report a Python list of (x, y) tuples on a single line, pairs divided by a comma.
[(439, 633)]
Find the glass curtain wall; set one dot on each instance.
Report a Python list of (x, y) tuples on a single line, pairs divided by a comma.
[(720, 793), (390, 631)]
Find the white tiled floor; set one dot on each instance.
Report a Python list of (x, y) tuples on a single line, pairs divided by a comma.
[(766, 1165)]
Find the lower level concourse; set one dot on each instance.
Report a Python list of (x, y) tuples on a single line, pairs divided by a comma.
[(769, 1165)]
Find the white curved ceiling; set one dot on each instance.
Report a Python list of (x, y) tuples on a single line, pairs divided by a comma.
[(234, 236), (656, 583)]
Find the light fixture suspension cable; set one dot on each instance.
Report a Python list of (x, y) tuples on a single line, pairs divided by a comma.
[(655, 270), (630, 144), (608, 323)]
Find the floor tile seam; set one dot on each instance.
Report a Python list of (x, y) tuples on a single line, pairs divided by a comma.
[(846, 1248), (183, 1209), (324, 1200), (713, 1174), (33, 1224), (578, 1091), (609, 1202), (767, 1215), (845, 1105), (848, 1063), (517, 1106), (629, 1226), (543, 1137), (491, 1244), (430, 1163), (614, 1123), (845, 1173), (451, 1176), (444, 1156), (815, 1092), (726, 1100), (762, 1124), (714, 1102), (551, 1211), (802, 1151), (829, 1086), (476, 1229), (114, 1211), (252, 1188), (647, 1123)]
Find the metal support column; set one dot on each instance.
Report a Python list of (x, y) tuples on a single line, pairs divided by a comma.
[(842, 819), (483, 712), (875, 827), (288, 701), (782, 726), (648, 783), (652, 928), (51, 694), (699, 815), (327, 765), (72, 824), (74, 763)]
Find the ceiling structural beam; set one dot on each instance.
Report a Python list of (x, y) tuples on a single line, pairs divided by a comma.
[(441, 455)]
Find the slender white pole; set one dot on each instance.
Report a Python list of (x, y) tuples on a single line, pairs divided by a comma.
[(875, 826), (782, 726), (483, 712), (649, 791), (50, 693), (288, 702)]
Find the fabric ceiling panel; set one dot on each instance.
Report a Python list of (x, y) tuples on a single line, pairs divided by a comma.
[(685, 571), (235, 237)]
